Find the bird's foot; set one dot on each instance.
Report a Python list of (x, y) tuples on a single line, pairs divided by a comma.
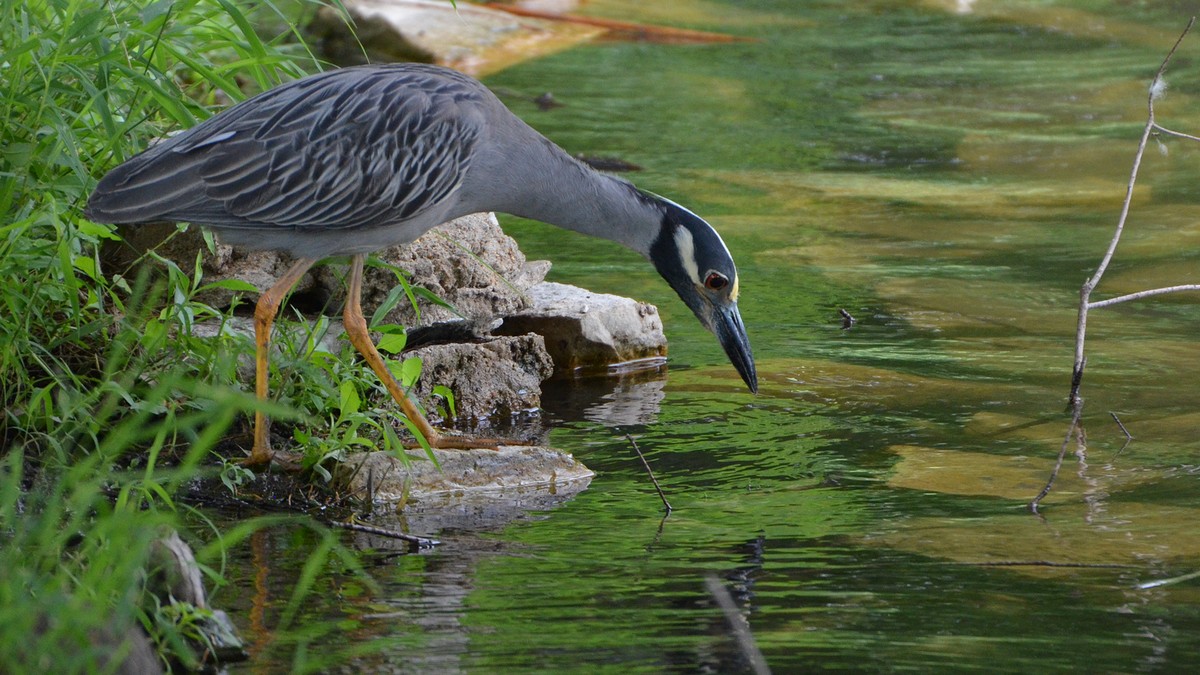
[(267, 460)]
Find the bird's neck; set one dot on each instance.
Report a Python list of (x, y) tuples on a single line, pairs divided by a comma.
[(599, 205), (556, 188)]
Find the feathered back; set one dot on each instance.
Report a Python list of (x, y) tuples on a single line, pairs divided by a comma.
[(350, 148)]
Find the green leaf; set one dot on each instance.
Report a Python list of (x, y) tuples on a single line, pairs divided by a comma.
[(393, 341), (389, 303), (153, 333), (432, 297), (350, 400), (444, 391), (155, 10), (87, 266), (410, 370), (229, 285), (424, 442)]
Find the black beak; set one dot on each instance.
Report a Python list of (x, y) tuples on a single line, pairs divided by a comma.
[(731, 332)]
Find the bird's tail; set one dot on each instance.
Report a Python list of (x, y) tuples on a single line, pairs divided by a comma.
[(129, 194)]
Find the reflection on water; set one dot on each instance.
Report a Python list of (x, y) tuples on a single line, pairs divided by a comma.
[(630, 400), (947, 172)]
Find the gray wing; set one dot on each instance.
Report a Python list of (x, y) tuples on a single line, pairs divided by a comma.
[(358, 147)]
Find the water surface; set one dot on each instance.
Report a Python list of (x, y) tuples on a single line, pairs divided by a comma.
[(948, 173)]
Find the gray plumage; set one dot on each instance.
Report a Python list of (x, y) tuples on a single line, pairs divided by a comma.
[(350, 161)]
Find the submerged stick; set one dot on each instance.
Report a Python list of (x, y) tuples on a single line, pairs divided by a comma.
[(1062, 453), (1128, 436), (419, 542), (738, 624), (654, 480), (1168, 582)]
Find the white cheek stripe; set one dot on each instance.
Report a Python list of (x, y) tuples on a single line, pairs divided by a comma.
[(714, 231), (687, 250), (687, 253)]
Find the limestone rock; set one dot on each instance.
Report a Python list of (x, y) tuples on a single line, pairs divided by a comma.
[(507, 468), (498, 378), (495, 378), (468, 511), (261, 269), (469, 262), (473, 39), (587, 331)]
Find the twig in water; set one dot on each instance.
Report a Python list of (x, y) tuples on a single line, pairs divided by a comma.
[(1168, 582), (1157, 86), (646, 464), (1074, 430), (1128, 436), (739, 626), (847, 319), (417, 542)]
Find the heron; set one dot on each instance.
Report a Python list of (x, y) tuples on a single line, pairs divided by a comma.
[(349, 161)]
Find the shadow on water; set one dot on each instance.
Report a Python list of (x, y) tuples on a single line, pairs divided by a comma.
[(947, 172)]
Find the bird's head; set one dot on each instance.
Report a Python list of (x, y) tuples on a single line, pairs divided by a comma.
[(690, 255)]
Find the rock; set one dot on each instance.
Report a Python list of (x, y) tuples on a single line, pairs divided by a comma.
[(173, 576), (126, 651), (469, 262), (467, 511), (261, 269), (463, 36), (491, 379), (381, 477), (174, 573), (498, 378), (587, 331)]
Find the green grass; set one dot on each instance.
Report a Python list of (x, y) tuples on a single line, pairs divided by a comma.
[(110, 403)]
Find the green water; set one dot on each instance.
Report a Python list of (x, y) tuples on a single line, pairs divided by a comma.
[(948, 177)]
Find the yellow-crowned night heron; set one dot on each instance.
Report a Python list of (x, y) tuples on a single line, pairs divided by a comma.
[(350, 161)]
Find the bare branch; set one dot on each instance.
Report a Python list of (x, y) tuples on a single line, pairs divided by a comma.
[(1085, 293), (1163, 68), (1137, 159), (1080, 357), (1144, 294), (1116, 238), (1178, 134)]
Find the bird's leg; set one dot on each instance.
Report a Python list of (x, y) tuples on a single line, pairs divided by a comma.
[(356, 330), (264, 317)]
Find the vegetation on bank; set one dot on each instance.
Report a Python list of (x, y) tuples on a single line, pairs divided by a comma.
[(110, 404)]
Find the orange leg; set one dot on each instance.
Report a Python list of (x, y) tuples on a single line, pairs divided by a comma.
[(356, 330), (264, 318)]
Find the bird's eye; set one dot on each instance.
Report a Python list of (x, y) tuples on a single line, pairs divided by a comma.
[(715, 281)]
